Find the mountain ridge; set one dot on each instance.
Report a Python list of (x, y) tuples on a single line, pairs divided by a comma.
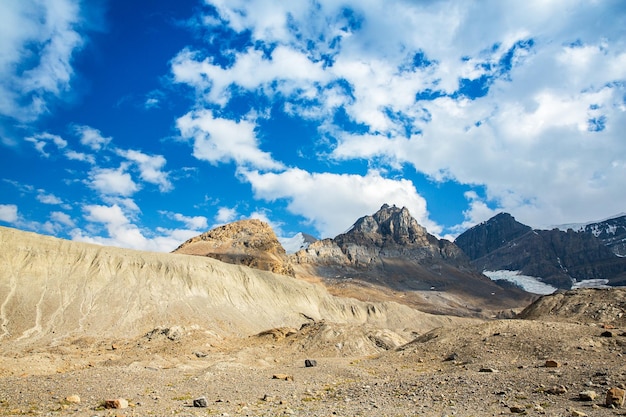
[(381, 255)]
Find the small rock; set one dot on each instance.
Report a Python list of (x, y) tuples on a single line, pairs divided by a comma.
[(200, 354), (517, 409), (587, 396), (309, 363), (116, 403), (74, 399), (552, 364), (487, 370), (615, 397), (607, 333), (200, 402), (451, 357), (577, 413), (557, 390), (283, 376)]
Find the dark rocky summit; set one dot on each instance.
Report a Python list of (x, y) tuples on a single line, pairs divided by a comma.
[(555, 257), (491, 235)]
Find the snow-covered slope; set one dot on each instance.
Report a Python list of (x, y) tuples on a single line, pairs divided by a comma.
[(297, 242), (612, 232)]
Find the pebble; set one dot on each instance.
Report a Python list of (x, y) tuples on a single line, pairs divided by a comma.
[(615, 397), (557, 390), (283, 376), (587, 395), (200, 402), (116, 403), (74, 399), (552, 364)]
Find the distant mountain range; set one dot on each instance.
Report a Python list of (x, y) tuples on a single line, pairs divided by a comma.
[(387, 255), (555, 257), (390, 249)]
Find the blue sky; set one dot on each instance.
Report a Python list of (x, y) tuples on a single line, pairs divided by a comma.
[(143, 123)]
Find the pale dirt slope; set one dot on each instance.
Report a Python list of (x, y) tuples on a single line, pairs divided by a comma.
[(53, 290)]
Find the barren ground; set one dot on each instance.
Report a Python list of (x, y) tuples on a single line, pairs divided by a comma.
[(437, 374)]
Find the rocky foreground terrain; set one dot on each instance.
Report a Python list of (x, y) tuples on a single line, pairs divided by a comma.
[(93, 331)]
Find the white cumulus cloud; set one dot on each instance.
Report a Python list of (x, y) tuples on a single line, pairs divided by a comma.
[(109, 181), (150, 168), (38, 39), (8, 213), (91, 137), (219, 140)]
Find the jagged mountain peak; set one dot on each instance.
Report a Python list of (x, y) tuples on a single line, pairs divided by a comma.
[(390, 224)]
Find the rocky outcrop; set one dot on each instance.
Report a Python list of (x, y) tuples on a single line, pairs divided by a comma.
[(246, 242), (589, 305), (555, 257)]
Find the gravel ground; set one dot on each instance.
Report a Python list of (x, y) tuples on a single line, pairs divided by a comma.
[(486, 369)]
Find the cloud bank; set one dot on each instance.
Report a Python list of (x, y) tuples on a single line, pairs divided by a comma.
[(530, 107)]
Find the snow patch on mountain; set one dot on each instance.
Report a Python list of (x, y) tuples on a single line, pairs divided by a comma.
[(297, 242), (591, 283), (579, 227), (527, 283)]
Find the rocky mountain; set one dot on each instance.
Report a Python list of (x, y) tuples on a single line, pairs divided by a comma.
[(391, 250), (390, 233), (491, 235), (251, 243), (555, 257)]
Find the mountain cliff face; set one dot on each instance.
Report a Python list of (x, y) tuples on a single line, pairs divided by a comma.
[(491, 235), (555, 257)]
